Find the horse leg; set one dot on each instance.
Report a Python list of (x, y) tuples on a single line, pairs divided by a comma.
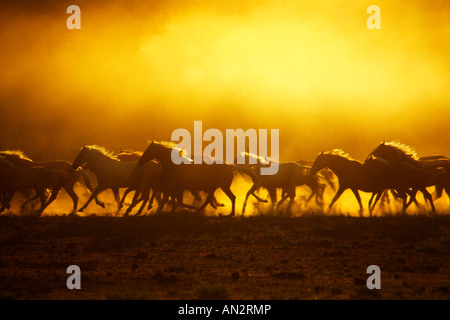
[(273, 197), (41, 194), (336, 196), (6, 200), (361, 208), (258, 198), (198, 198), (93, 196), (3, 202), (284, 196), (412, 197), (117, 198), (438, 189), (404, 207), (36, 196), (53, 196), (291, 194), (145, 195), (134, 201), (208, 199), (249, 192), (99, 203), (217, 203), (378, 197), (232, 197), (371, 198), (127, 191), (74, 197), (428, 197), (176, 201), (162, 202), (385, 197), (150, 202)]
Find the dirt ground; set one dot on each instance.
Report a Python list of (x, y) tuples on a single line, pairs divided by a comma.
[(178, 256)]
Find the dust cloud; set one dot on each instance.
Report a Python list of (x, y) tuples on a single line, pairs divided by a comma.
[(138, 70)]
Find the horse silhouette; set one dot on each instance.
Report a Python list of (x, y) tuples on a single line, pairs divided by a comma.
[(146, 180), (193, 177), (38, 178), (19, 159), (374, 176), (110, 171), (397, 154), (289, 176)]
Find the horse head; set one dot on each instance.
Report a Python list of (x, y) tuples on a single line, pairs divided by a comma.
[(319, 163), (81, 158), (149, 153)]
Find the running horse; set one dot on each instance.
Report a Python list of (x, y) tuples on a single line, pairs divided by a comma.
[(110, 171), (289, 176), (20, 160), (40, 179), (146, 179), (374, 176), (193, 177), (398, 154)]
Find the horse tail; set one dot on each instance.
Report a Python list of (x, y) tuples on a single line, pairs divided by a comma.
[(244, 172), (87, 181)]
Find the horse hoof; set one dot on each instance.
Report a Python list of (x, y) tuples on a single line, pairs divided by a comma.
[(80, 210)]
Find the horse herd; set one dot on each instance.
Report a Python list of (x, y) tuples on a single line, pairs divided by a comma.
[(152, 176)]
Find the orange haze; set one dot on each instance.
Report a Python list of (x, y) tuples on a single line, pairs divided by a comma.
[(138, 70)]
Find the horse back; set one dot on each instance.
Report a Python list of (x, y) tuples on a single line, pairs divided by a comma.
[(57, 165)]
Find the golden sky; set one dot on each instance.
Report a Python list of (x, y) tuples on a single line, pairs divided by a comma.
[(138, 70)]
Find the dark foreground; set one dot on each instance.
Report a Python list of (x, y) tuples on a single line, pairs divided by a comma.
[(183, 257)]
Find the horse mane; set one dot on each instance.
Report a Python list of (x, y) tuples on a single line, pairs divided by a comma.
[(261, 160), (102, 150), (404, 149), (170, 145), (18, 154), (130, 152), (339, 152)]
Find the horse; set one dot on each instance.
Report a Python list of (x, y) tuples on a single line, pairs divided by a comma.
[(193, 177), (19, 159), (110, 171), (289, 176), (397, 153), (145, 181), (374, 176), (325, 173), (129, 155), (317, 189), (13, 178), (145, 178), (409, 179)]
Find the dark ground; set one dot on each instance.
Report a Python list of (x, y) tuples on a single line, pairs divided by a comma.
[(185, 257)]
